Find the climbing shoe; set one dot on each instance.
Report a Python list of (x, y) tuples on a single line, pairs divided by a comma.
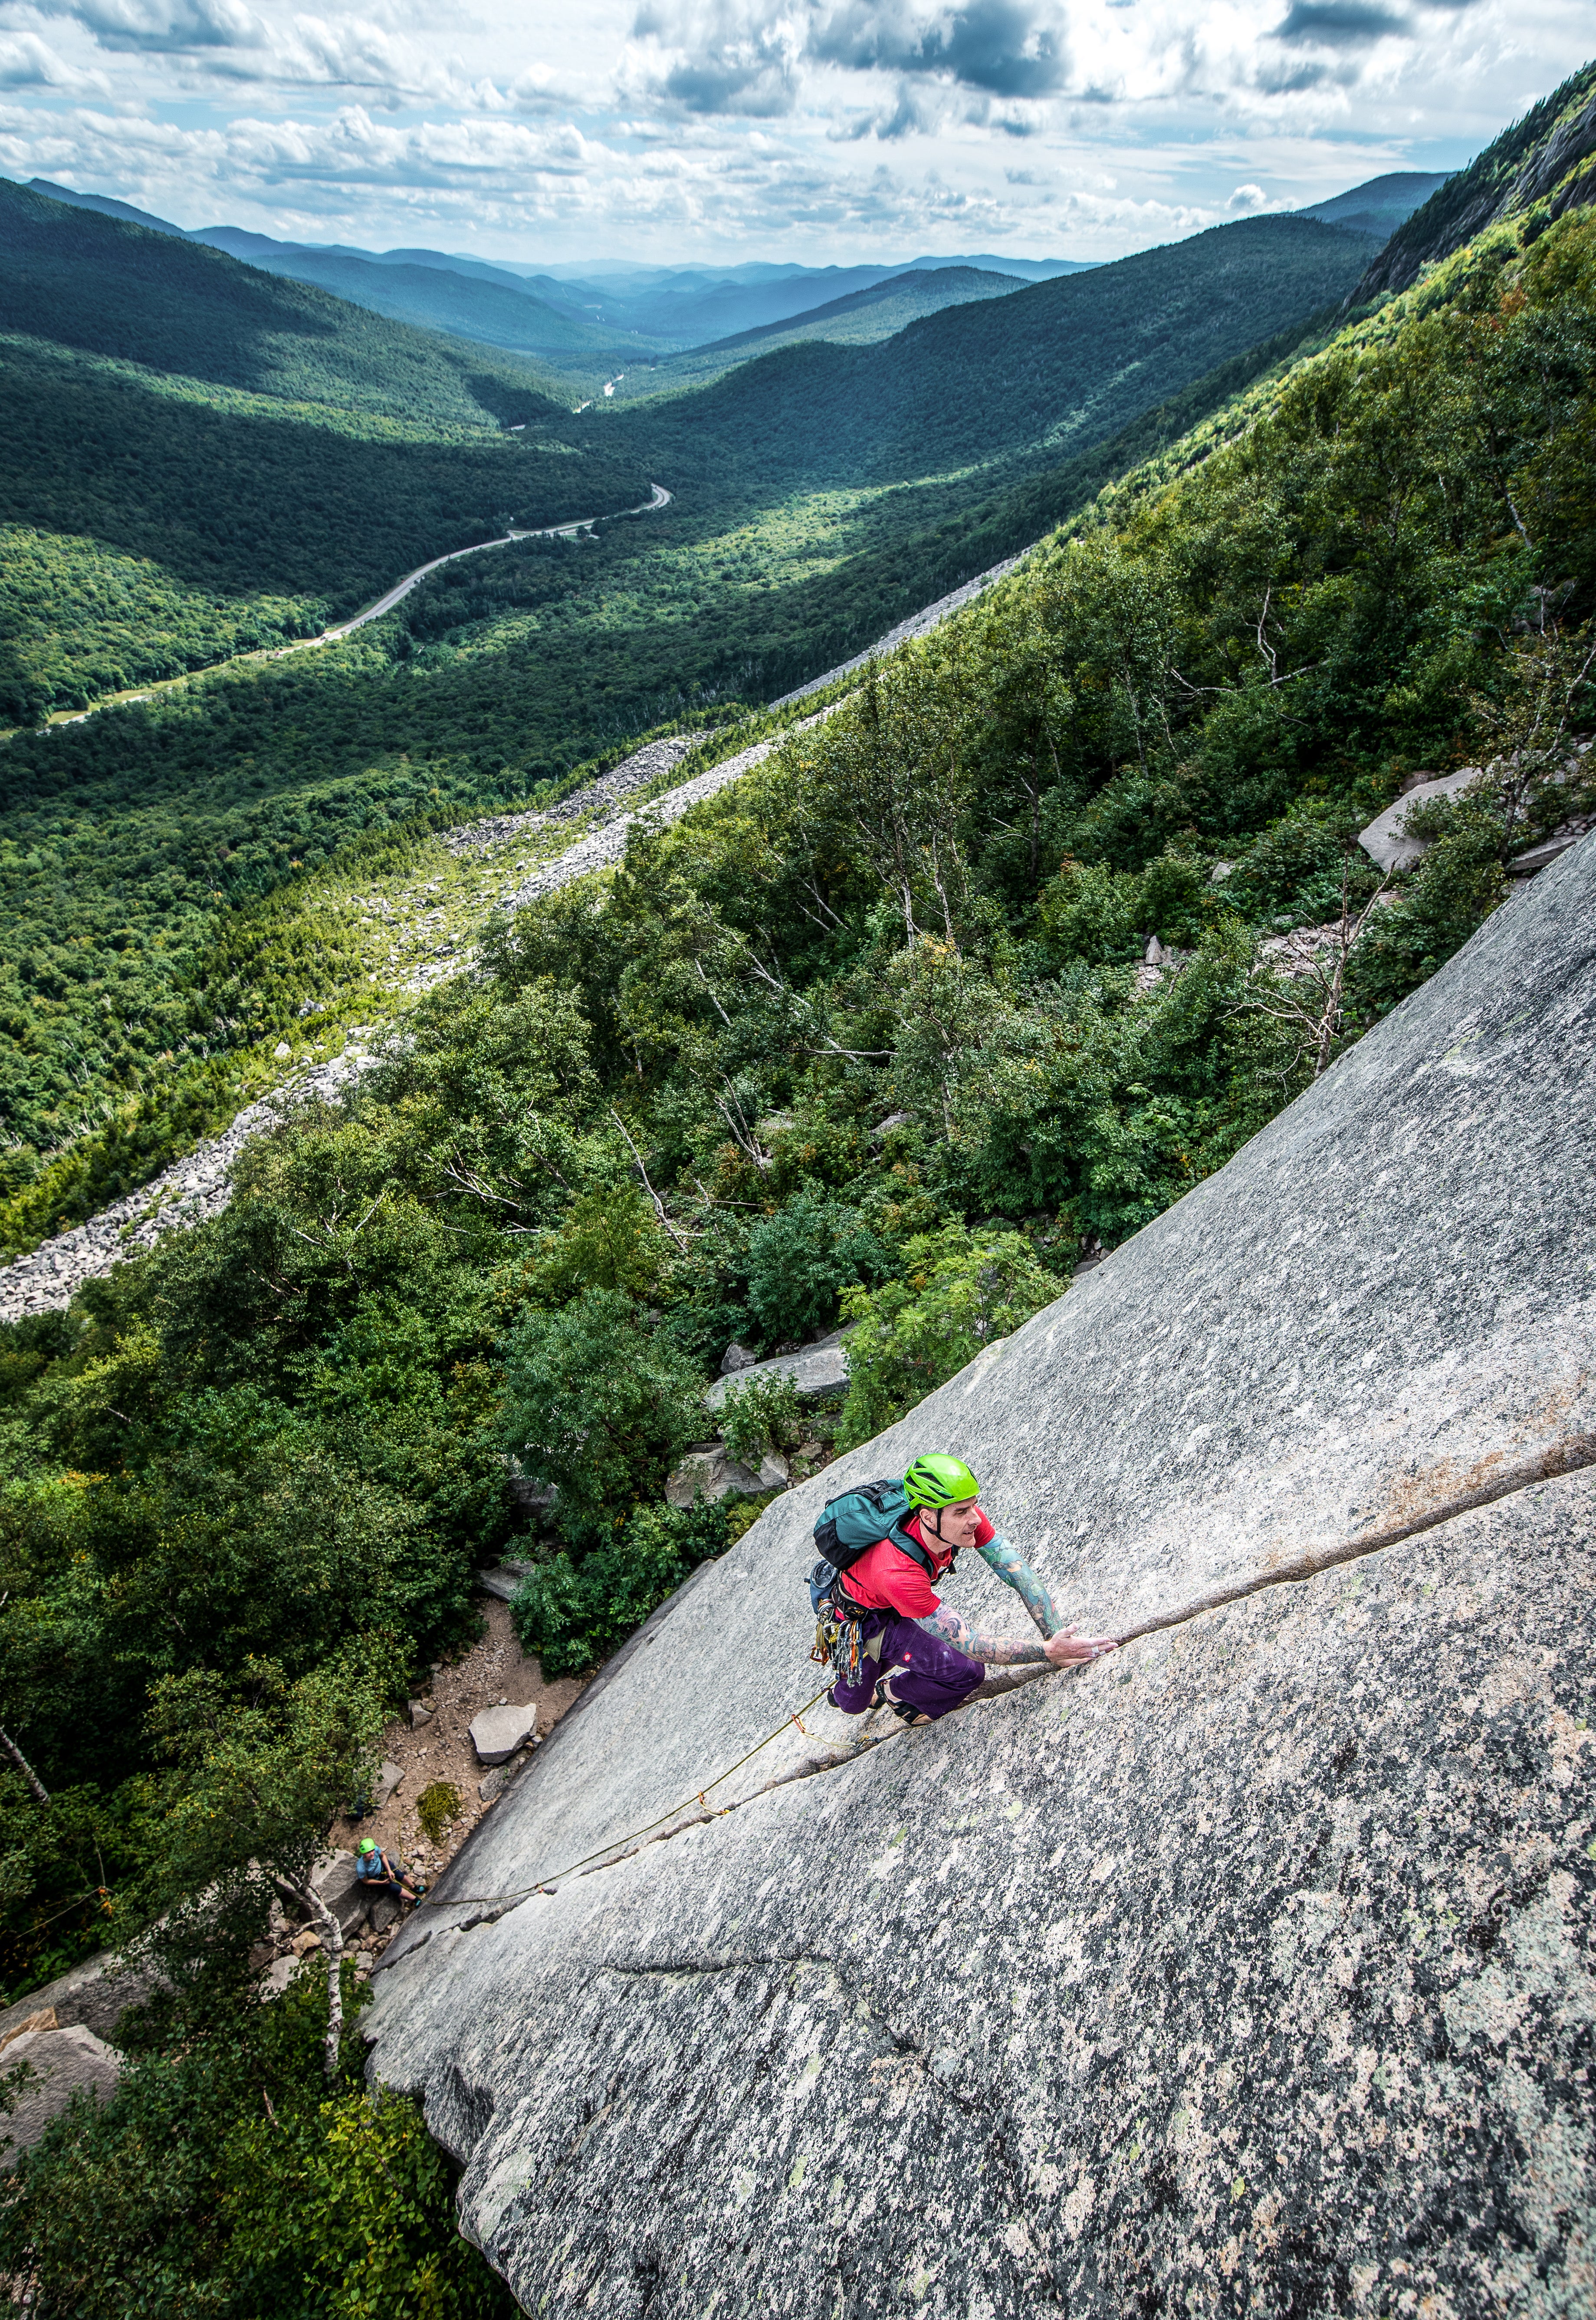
[(884, 1696)]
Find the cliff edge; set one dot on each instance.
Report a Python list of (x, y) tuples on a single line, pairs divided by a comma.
[(1549, 156)]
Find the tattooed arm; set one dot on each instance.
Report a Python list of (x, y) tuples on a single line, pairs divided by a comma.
[(1018, 1574), (998, 1651), (1063, 1647)]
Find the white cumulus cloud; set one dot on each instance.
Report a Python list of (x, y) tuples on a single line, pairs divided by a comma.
[(809, 129)]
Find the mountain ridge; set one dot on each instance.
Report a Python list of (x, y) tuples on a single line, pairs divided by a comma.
[(1547, 158)]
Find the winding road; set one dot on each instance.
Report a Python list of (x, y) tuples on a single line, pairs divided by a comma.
[(401, 588), (385, 604)]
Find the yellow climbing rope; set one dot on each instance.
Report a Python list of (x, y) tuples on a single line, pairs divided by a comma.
[(520, 1892)]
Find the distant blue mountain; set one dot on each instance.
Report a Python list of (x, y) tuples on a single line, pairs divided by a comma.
[(1381, 205)]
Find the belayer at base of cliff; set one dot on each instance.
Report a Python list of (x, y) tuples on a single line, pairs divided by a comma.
[(880, 1624)]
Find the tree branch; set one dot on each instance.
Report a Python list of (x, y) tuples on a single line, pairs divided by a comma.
[(23, 1767), (659, 1207), (703, 978), (333, 1933)]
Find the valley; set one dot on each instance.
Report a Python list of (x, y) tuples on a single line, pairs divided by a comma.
[(516, 918)]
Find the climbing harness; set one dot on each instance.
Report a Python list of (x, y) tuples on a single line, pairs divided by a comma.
[(840, 1641)]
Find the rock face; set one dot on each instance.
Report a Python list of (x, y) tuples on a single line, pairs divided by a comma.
[(1249, 1970), (61, 2064), (94, 1996)]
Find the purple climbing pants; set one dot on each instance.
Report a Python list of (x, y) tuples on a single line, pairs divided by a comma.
[(930, 1676)]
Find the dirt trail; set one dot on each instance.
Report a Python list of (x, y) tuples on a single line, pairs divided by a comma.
[(495, 1669)]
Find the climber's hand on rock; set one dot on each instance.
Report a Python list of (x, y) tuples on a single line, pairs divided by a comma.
[(1069, 1648)]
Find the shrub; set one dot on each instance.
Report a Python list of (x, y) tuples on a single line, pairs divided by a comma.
[(225, 2178), (609, 1241), (760, 1415), (744, 1513), (596, 1405), (959, 1291), (801, 1257), (437, 1806), (1092, 913), (573, 1614)]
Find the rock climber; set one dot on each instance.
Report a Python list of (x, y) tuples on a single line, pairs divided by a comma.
[(382, 1873), (891, 1639)]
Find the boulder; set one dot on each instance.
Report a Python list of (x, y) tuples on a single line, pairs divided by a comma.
[(1245, 1971), (61, 2064), (1537, 857), (815, 1370), (736, 1357), (390, 1776), (498, 1732), (1158, 960), (276, 1978), (94, 1996), (1385, 841), (334, 1879), (340, 1889), (711, 1475)]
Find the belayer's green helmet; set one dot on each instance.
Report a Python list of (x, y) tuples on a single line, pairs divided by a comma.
[(938, 1481), (368, 1845)]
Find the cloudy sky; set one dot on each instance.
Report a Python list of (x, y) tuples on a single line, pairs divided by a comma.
[(722, 130)]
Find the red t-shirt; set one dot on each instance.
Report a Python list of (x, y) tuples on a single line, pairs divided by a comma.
[(885, 1579)]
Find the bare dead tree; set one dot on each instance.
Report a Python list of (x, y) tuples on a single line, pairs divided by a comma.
[(312, 1902), (14, 1752), (742, 1134), (1310, 1003), (23, 1767), (666, 1225)]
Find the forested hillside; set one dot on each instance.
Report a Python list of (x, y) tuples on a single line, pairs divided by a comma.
[(153, 528), (860, 318), (199, 460), (104, 287), (980, 382), (436, 298), (874, 1035), (207, 518)]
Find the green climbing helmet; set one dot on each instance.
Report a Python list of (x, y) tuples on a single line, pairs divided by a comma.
[(368, 1845), (936, 1480)]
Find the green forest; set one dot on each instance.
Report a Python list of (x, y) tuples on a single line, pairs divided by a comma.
[(870, 1036), (143, 542)]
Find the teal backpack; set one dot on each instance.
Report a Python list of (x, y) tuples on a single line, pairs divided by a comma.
[(850, 1525)]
